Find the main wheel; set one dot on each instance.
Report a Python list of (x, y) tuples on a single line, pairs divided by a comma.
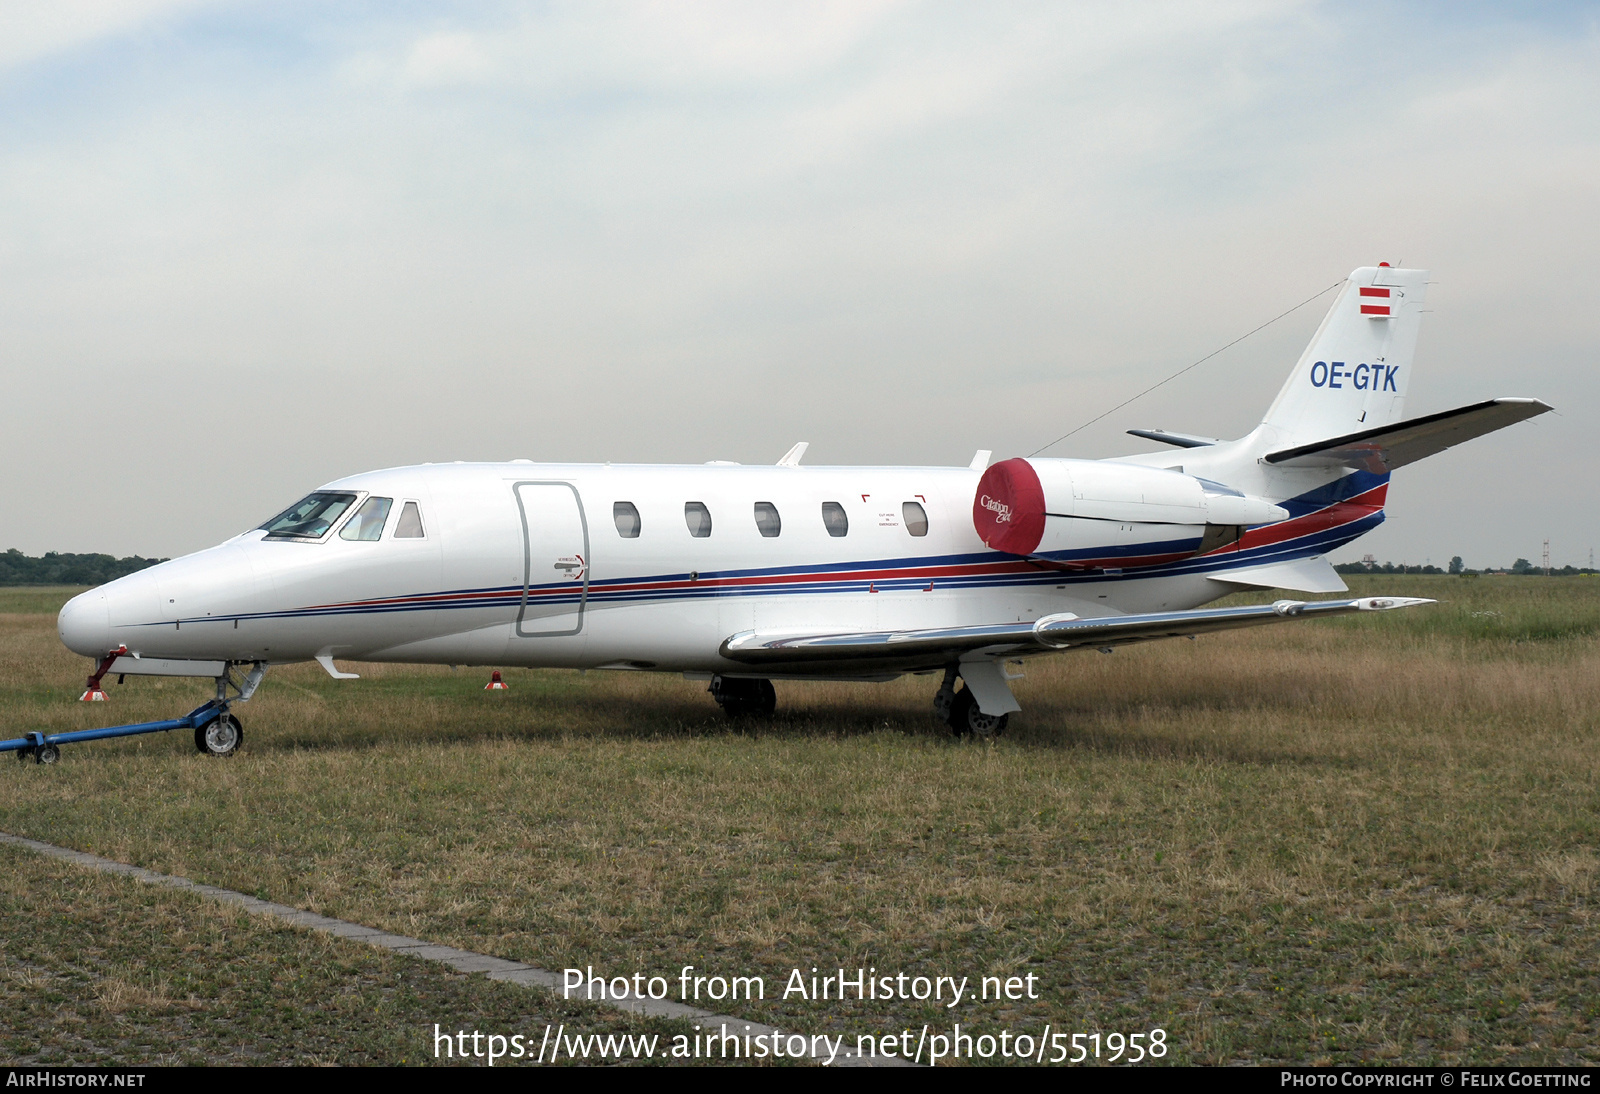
[(221, 737), (742, 698), (965, 718)]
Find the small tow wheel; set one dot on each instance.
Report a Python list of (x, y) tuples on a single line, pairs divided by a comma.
[(48, 754), (24, 754), (965, 718), (220, 737)]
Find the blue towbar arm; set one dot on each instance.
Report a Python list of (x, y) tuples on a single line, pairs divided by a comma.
[(207, 712)]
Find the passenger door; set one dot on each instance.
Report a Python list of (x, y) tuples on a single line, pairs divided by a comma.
[(555, 553)]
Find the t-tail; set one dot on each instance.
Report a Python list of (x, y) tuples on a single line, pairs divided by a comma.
[(1353, 375), (1328, 442)]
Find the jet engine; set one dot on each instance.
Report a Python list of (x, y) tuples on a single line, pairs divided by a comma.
[(1102, 514)]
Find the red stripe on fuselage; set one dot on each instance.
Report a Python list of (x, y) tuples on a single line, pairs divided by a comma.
[(1340, 512)]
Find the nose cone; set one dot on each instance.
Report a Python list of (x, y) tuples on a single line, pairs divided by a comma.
[(85, 624)]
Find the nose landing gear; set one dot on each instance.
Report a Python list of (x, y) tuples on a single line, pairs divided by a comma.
[(221, 736)]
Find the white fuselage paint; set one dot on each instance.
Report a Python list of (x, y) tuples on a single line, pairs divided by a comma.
[(664, 600)]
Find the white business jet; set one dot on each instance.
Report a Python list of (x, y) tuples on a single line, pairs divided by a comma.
[(744, 575)]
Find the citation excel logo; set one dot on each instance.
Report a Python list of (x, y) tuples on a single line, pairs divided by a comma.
[(1001, 511), (1363, 377)]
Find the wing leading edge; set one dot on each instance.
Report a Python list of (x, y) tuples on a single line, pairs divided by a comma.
[(942, 645)]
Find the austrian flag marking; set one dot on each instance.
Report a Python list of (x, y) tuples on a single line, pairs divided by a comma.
[(1375, 302)]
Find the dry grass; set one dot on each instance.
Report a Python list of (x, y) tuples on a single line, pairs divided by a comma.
[(99, 970), (1371, 840)]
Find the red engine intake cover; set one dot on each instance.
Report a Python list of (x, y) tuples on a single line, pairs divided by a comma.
[(1008, 511)]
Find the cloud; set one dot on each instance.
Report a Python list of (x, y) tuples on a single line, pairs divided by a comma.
[(902, 231), (33, 30)]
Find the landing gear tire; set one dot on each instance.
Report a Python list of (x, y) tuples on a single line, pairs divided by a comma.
[(220, 737), (966, 718), (740, 698)]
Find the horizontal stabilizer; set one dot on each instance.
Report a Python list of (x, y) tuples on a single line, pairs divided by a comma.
[(1180, 440), (1303, 575), (942, 645), (1386, 447)]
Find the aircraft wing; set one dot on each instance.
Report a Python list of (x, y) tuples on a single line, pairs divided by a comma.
[(942, 645), (1407, 442)]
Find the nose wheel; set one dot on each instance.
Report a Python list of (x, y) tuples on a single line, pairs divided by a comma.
[(221, 736)]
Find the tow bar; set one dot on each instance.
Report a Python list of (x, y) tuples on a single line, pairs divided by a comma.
[(45, 748), (216, 731)]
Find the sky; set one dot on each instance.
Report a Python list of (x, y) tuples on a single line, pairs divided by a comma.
[(249, 248)]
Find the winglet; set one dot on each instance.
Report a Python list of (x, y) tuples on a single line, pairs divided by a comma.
[(791, 458), (980, 461)]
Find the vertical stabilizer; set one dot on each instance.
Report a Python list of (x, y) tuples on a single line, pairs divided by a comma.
[(1354, 373)]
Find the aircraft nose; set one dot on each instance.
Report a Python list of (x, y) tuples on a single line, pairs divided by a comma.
[(85, 624)]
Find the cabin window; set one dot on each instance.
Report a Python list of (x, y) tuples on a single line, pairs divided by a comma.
[(409, 526), (367, 524), (916, 518), (768, 523), (311, 516), (835, 520), (698, 518), (627, 518)]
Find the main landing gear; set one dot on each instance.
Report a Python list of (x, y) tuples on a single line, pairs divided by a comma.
[(740, 697), (959, 710)]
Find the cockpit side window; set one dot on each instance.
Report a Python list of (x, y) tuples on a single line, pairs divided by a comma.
[(409, 526), (367, 524), (310, 517)]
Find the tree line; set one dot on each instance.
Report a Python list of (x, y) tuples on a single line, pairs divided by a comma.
[(56, 568), (1520, 567)]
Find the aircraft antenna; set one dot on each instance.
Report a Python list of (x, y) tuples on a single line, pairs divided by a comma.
[(1186, 368)]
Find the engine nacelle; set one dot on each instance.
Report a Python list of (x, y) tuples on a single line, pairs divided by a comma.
[(1099, 512)]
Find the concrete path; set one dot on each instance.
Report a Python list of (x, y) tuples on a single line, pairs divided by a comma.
[(496, 968)]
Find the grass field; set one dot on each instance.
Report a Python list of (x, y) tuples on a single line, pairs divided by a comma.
[(1364, 839)]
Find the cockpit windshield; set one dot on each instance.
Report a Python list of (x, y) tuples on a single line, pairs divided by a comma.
[(311, 516)]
